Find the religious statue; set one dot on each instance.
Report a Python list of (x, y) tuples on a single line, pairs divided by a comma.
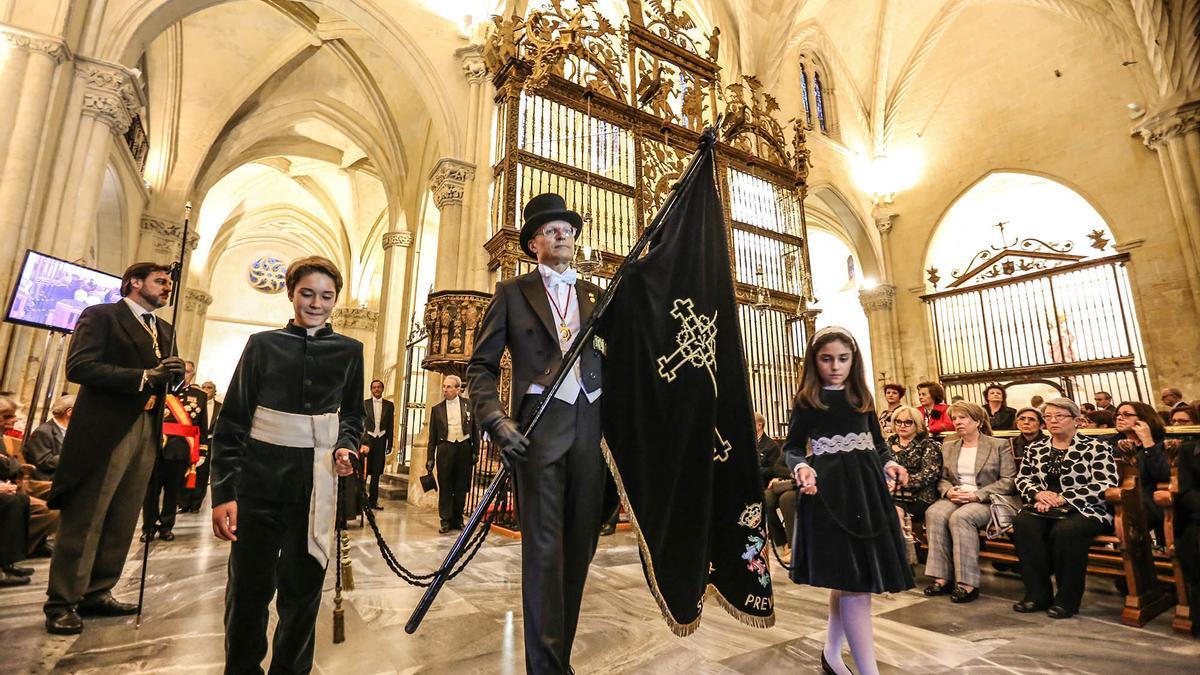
[(714, 43)]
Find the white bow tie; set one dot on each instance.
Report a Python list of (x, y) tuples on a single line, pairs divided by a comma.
[(554, 278)]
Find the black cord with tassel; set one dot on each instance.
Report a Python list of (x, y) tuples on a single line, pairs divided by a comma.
[(339, 614)]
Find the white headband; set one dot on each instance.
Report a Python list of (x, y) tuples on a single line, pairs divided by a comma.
[(838, 330)]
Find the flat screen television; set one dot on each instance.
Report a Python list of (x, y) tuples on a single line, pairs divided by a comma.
[(50, 292)]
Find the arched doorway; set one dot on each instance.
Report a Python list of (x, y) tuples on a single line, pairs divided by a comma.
[(1025, 284)]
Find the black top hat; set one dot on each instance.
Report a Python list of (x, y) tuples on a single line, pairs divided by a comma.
[(541, 210)]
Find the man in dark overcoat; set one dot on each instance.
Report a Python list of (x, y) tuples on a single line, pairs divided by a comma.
[(123, 358), (560, 473)]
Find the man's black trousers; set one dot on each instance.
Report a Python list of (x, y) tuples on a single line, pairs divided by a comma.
[(270, 558), (560, 502), (454, 480), (166, 481)]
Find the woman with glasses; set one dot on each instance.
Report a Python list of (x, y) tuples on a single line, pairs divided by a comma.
[(1062, 483), (1032, 427), (919, 453), (977, 469), (1140, 434)]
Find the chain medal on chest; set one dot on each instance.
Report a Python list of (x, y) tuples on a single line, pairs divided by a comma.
[(564, 331)]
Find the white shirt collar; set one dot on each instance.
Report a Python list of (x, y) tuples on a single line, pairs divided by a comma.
[(137, 309), (551, 277)]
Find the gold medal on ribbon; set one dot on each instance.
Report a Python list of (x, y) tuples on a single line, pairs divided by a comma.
[(564, 332)]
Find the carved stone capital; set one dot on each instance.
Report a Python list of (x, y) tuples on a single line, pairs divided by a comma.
[(166, 235), (49, 45), (448, 180), (885, 221), (1168, 124), (403, 239), (355, 318), (472, 63), (195, 300), (882, 296), (112, 93)]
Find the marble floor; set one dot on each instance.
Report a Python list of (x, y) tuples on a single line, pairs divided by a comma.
[(475, 625)]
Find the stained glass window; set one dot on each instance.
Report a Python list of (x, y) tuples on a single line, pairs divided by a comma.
[(804, 96), (820, 101)]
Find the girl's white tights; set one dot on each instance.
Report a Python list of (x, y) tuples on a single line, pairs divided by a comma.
[(850, 620)]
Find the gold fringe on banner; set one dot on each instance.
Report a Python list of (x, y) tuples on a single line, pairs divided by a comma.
[(680, 629)]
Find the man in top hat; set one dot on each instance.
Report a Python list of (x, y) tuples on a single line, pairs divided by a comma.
[(559, 470)]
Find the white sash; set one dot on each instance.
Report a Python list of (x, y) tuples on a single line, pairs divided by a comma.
[(319, 432)]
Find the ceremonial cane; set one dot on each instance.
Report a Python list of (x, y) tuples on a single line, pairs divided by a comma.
[(707, 140), (176, 277)]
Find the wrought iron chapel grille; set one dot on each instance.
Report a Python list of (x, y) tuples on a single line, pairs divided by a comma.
[(608, 117), (1072, 326)]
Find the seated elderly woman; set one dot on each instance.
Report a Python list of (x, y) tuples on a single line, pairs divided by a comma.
[(919, 453), (1062, 483), (1187, 544), (977, 469)]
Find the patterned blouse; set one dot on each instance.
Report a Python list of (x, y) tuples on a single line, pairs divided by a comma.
[(923, 460), (1084, 470)]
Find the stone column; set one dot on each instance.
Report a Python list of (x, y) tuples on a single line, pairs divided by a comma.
[(879, 304), (1174, 133), (112, 96), (391, 294), (358, 323), (473, 269), (26, 76), (884, 222), (449, 182), (192, 314)]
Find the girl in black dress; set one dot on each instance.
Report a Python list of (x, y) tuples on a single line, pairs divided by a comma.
[(847, 537)]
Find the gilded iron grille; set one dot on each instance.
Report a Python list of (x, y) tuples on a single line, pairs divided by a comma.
[(1072, 327), (608, 117)]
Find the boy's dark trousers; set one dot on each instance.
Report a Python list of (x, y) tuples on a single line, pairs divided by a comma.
[(271, 554)]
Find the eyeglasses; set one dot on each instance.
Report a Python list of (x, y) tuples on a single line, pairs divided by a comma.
[(1127, 415), (903, 423), (553, 232), (1058, 418)]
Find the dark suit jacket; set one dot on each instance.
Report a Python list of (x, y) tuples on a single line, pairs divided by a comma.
[(388, 410), (519, 318), (109, 352), (439, 429), (770, 460), (43, 448)]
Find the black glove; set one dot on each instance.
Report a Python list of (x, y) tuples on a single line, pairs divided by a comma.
[(168, 369), (512, 442), (429, 466)]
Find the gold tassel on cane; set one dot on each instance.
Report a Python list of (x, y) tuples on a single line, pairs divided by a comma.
[(347, 569)]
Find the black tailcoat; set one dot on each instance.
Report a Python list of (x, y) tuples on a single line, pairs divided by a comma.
[(520, 319), (561, 484), (382, 446), (109, 352)]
